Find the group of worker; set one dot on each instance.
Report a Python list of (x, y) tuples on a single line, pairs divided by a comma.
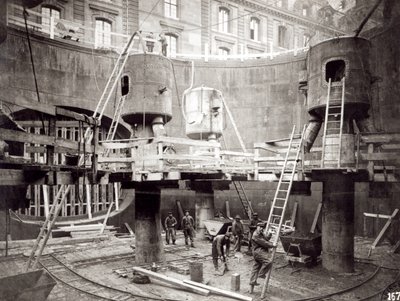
[(150, 42), (187, 227), (259, 244)]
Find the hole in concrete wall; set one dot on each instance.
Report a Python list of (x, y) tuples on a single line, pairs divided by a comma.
[(301, 188), (124, 85), (335, 70)]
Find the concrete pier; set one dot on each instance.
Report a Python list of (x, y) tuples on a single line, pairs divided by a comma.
[(338, 221), (149, 245)]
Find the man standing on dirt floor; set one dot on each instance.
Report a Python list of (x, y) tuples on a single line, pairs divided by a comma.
[(238, 232), (253, 226), (261, 253), (188, 228), (218, 252), (170, 223)]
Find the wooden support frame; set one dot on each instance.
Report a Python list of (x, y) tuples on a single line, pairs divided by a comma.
[(316, 217), (383, 231)]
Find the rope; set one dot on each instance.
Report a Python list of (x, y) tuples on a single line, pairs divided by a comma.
[(25, 13)]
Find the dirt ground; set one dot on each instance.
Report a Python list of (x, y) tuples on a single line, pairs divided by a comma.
[(110, 262)]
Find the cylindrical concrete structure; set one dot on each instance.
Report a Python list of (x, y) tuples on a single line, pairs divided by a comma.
[(337, 58), (205, 209), (338, 222), (149, 246), (147, 82), (203, 109)]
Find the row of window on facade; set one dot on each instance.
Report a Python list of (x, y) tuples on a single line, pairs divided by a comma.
[(103, 28)]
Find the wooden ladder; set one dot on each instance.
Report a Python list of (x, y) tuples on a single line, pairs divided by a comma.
[(333, 126), (64, 190), (248, 209), (282, 193)]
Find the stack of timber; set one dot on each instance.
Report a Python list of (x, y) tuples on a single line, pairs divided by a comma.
[(80, 231)]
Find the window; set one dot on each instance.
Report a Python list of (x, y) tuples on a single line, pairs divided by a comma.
[(124, 85), (171, 8), (254, 29), (335, 70), (279, 3), (223, 20), (47, 13), (103, 32), (306, 39), (305, 10), (282, 36), (223, 52), (172, 41)]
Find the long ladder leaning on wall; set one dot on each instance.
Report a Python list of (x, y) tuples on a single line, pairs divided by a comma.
[(333, 127), (279, 204), (63, 191)]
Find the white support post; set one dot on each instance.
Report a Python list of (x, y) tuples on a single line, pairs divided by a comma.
[(51, 27), (242, 52), (270, 50), (95, 39), (206, 52), (296, 41), (116, 196), (45, 189), (88, 201)]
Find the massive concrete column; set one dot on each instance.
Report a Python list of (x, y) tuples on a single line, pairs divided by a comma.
[(338, 221), (149, 246), (204, 209)]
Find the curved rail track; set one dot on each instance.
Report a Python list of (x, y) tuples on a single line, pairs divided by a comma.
[(66, 276), (371, 288)]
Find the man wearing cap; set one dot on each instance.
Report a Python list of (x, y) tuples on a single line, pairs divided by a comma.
[(188, 228), (253, 226), (261, 254), (217, 250), (170, 223), (238, 232)]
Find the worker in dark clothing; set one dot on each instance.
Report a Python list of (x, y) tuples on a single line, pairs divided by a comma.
[(188, 228), (252, 227), (238, 232), (218, 251), (170, 223), (261, 253)]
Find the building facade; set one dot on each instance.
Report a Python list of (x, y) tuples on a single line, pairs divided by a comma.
[(212, 27)]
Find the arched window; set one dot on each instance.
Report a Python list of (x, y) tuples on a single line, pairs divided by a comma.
[(223, 20), (47, 13), (282, 32), (103, 33), (172, 41), (335, 70), (171, 8), (124, 85), (254, 29)]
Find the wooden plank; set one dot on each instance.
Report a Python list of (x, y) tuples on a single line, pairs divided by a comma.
[(384, 229), (219, 291), (10, 135), (316, 216), (129, 229), (239, 154), (294, 212), (380, 138), (380, 156), (170, 280), (186, 141), (32, 105), (376, 215), (77, 116)]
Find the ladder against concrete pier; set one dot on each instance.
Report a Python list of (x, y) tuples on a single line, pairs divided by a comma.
[(248, 209)]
